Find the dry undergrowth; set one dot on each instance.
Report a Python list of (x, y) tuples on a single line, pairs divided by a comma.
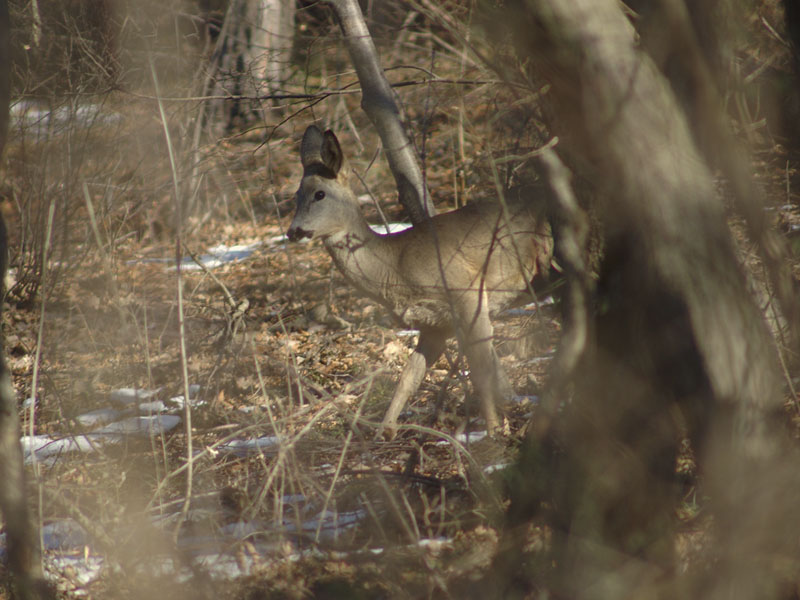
[(316, 378), (305, 359)]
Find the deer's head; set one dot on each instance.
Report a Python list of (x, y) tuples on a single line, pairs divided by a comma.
[(326, 206)]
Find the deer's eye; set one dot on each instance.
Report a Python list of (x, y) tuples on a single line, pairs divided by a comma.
[(319, 195)]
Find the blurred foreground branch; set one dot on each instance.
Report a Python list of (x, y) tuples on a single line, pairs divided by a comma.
[(679, 346), (22, 547)]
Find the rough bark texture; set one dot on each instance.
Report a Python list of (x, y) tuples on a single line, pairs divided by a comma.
[(677, 344), (251, 59), (21, 540), (379, 104), (274, 36)]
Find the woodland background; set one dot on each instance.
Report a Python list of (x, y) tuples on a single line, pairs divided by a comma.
[(143, 131)]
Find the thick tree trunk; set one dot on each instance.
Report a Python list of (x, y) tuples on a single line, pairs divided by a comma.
[(677, 346), (690, 43)]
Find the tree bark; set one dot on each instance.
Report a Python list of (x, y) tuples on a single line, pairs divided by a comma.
[(274, 37), (688, 43), (676, 346), (379, 104), (22, 543), (251, 59)]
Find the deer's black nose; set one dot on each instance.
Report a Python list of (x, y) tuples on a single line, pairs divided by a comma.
[(298, 233)]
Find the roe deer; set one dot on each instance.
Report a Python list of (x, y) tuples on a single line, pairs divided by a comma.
[(444, 277)]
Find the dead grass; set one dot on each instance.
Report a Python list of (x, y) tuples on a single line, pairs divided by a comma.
[(101, 318)]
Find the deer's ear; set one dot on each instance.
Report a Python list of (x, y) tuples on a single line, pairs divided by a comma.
[(311, 146), (331, 152)]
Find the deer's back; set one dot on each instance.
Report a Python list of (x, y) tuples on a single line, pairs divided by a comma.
[(461, 253)]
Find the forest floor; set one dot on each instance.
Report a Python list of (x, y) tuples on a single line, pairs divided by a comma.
[(287, 369)]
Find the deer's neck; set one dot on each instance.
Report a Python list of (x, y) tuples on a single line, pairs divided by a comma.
[(366, 259)]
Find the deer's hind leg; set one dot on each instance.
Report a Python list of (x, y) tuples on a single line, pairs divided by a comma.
[(488, 377), (429, 348)]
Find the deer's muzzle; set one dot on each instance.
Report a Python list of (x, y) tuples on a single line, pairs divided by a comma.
[(298, 233)]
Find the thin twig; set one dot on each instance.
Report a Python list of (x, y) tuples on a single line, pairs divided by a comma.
[(187, 407)]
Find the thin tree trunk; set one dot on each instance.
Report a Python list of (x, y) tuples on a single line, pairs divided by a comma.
[(379, 104), (22, 543)]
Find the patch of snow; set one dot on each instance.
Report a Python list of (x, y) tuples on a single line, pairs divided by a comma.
[(146, 402), (496, 467), (214, 257), (64, 534), (48, 449), (149, 408), (98, 417), (330, 523), (435, 544), (194, 402), (127, 396), (140, 426), (245, 447), (79, 570), (45, 120), (407, 332), (392, 228), (276, 240), (531, 307), (218, 256), (465, 437)]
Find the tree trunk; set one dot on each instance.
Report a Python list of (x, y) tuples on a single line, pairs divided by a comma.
[(251, 60), (379, 104), (22, 542), (677, 345), (274, 36)]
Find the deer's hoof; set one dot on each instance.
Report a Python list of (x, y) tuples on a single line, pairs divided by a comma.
[(386, 432)]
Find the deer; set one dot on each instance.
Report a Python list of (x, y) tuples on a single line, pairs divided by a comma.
[(446, 277)]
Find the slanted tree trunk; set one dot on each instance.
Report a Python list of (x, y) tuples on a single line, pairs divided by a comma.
[(379, 104), (677, 345), (22, 545)]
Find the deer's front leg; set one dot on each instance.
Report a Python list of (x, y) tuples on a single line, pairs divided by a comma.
[(430, 347)]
